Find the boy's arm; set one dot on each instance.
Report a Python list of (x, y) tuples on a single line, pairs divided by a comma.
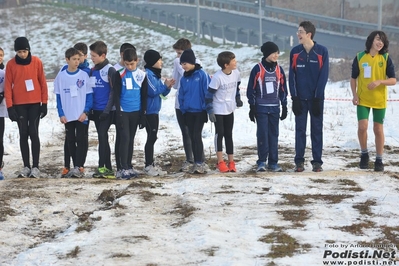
[(43, 83), (291, 76), (113, 80), (283, 93), (144, 95), (239, 103), (8, 87), (59, 106), (353, 81), (251, 87), (180, 98), (155, 86), (209, 100), (117, 93), (88, 103), (323, 76), (390, 78)]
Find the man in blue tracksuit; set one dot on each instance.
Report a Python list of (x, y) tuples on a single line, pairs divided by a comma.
[(309, 64)]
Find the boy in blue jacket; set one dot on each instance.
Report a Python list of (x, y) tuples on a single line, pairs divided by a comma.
[(156, 90), (308, 78), (193, 88), (267, 87)]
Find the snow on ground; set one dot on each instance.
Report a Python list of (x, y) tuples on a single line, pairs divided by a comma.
[(217, 219)]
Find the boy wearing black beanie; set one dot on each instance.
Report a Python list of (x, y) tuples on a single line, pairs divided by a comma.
[(193, 88), (266, 89), (156, 91), (26, 97)]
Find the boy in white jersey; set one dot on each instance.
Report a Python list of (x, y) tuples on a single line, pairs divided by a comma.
[(222, 99), (74, 100)]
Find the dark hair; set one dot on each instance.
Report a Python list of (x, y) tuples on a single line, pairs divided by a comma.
[(384, 39), (225, 58), (308, 27), (125, 46), (71, 52), (99, 47), (80, 46), (1, 49), (182, 44), (130, 55)]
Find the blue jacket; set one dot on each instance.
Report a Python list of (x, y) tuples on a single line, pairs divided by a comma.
[(193, 89), (156, 88), (308, 74)]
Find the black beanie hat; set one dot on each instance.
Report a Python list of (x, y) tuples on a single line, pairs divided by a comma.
[(268, 48), (21, 43), (187, 57), (151, 57)]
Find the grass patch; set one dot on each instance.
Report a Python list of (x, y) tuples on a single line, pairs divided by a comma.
[(364, 207), (184, 210), (300, 200), (295, 216), (320, 181), (120, 255), (73, 253), (282, 244), (350, 185), (144, 184), (6, 211), (210, 252), (357, 229)]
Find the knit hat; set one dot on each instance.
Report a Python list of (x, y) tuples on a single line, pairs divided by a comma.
[(151, 57), (187, 57), (268, 48), (21, 43)]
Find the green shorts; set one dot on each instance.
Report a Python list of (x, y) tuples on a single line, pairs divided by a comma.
[(378, 114)]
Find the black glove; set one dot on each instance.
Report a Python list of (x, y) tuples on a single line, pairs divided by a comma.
[(284, 113), (296, 106), (142, 121), (103, 116), (252, 113), (239, 103), (43, 110), (1, 96), (316, 108), (12, 114), (212, 118)]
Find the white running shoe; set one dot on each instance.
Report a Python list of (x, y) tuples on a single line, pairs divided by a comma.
[(34, 173), (25, 172), (154, 171)]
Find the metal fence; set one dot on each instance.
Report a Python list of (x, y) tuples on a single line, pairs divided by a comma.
[(188, 23)]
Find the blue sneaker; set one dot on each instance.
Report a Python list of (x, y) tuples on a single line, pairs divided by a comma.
[(1, 175), (274, 168), (125, 175), (261, 167)]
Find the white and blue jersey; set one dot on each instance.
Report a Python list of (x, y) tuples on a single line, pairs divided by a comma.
[(72, 90), (102, 87), (130, 98)]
